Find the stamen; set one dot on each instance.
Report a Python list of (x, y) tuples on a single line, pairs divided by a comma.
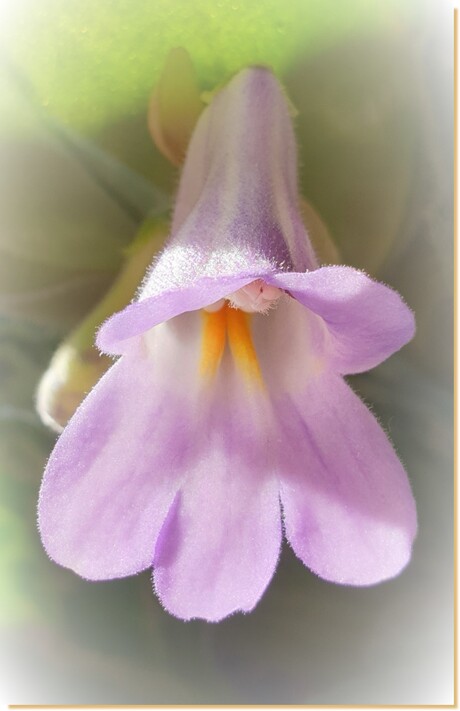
[(213, 344), (231, 322), (241, 345)]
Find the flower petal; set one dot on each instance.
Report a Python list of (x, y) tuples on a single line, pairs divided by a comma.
[(237, 208), (238, 194), (348, 507), (291, 344), (367, 320), (116, 468), (116, 333), (220, 545)]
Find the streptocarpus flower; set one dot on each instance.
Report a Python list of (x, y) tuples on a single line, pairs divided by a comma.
[(227, 406)]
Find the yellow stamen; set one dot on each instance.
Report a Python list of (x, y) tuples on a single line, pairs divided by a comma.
[(213, 344), (234, 323), (241, 345)]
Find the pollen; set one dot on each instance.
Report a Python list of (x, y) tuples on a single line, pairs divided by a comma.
[(232, 324)]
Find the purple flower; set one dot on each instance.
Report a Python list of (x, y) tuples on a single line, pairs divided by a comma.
[(227, 409)]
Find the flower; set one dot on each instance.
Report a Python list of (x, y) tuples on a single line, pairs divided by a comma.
[(229, 395)]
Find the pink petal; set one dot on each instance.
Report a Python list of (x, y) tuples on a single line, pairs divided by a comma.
[(115, 334), (367, 320), (238, 196), (236, 217), (116, 468), (220, 545), (292, 346), (348, 507)]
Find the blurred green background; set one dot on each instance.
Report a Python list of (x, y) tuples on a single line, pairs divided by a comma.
[(372, 81)]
